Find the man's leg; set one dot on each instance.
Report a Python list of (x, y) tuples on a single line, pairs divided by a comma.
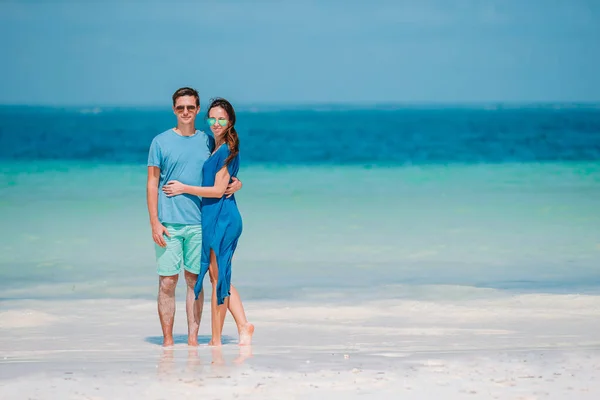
[(192, 250), (193, 308), (169, 265), (166, 306)]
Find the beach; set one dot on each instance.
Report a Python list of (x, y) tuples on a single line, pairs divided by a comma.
[(484, 289), (484, 344), (420, 199)]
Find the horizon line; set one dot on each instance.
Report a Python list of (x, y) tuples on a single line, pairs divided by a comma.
[(280, 104)]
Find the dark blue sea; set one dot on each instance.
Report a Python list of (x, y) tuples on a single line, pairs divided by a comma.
[(326, 135)]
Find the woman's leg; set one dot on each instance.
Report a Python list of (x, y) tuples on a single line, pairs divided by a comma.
[(217, 311), (245, 328)]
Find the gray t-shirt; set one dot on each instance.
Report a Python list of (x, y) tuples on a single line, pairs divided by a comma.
[(180, 158)]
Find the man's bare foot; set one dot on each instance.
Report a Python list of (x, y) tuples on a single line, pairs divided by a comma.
[(246, 333), (168, 341), (193, 341)]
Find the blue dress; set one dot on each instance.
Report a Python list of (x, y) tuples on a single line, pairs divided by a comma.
[(221, 224)]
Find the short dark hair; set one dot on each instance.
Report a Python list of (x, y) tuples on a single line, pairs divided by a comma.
[(186, 91)]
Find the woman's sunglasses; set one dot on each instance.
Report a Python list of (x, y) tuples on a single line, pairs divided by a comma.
[(222, 121)]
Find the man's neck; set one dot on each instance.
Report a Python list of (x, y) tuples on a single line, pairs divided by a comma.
[(186, 130)]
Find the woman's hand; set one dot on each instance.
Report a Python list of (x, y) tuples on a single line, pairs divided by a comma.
[(173, 188)]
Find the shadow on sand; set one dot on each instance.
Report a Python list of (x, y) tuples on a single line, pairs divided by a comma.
[(183, 339)]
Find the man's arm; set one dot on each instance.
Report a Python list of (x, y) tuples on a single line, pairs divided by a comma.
[(233, 187), (158, 229), (175, 188)]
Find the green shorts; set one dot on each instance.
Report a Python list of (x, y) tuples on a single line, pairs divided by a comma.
[(184, 246)]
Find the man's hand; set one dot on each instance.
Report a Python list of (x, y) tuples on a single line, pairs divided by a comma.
[(173, 188), (233, 187), (158, 230)]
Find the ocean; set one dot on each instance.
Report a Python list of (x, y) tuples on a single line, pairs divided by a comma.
[(340, 203)]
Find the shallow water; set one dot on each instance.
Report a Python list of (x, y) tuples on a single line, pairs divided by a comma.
[(76, 229)]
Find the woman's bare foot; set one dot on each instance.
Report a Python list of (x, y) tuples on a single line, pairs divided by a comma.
[(246, 333), (214, 343)]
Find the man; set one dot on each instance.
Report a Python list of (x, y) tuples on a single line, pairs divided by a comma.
[(179, 154)]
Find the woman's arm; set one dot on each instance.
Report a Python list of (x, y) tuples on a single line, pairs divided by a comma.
[(174, 188)]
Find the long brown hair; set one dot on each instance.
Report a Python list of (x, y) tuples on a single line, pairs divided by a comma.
[(230, 136)]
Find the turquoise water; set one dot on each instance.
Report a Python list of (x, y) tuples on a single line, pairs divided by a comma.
[(365, 202), (75, 229)]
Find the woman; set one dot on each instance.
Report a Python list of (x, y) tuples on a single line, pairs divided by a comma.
[(221, 221)]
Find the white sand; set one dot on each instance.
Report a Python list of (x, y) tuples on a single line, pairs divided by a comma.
[(490, 346)]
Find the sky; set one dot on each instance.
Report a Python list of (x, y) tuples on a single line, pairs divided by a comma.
[(138, 52)]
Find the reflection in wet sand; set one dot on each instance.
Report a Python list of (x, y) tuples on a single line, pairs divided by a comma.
[(193, 366), (166, 363), (194, 363), (217, 356), (245, 353)]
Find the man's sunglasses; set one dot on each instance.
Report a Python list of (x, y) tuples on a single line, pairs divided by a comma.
[(180, 109), (222, 121)]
